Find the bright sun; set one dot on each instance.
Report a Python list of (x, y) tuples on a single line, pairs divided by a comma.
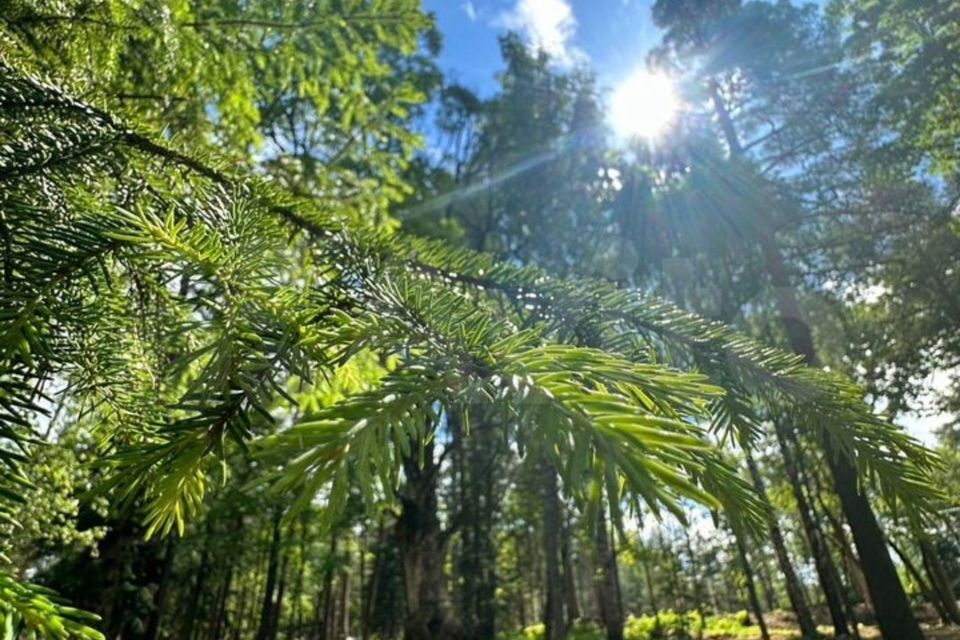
[(644, 105)]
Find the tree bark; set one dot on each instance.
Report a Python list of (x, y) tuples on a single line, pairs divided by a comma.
[(343, 614), (823, 563), (569, 577), (928, 592), (798, 601), (938, 578), (328, 615), (892, 608), (554, 627), (894, 615), (277, 609), (751, 587), (697, 590), (647, 578), (769, 593), (476, 458), (198, 589), (373, 587), (273, 562), (163, 591), (608, 587), (421, 543)]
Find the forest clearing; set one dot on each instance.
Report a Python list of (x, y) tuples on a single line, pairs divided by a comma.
[(479, 319)]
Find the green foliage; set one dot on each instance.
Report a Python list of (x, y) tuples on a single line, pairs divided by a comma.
[(662, 626), (30, 606), (181, 300), (665, 624), (906, 51)]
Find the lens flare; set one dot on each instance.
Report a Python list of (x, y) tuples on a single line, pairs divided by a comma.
[(644, 105)]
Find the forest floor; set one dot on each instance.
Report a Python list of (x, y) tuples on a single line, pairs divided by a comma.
[(866, 633)]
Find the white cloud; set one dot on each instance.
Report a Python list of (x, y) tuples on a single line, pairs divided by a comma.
[(548, 24), (470, 10)]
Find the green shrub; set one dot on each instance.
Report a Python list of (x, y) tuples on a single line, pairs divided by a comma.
[(665, 625), (580, 631)]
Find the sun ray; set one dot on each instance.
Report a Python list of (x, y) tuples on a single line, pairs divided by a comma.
[(644, 105)]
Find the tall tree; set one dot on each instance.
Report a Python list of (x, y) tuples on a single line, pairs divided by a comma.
[(740, 58)]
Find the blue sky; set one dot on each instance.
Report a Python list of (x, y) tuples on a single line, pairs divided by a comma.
[(612, 36)]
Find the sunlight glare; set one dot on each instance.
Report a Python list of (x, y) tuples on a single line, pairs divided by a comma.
[(644, 105)]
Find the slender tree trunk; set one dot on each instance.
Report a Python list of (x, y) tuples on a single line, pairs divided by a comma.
[(697, 590), (826, 571), (851, 564), (553, 609), (273, 563), (584, 571), (938, 578), (163, 590), (891, 606), (297, 613), (811, 481), (220, 618), (798, 601), (343, 617), (928, 593), (362, 573), (608, 588), (259, 580), (373, 589), (651, 594), (328, 617), (523, 602), (769, 593), (751, 587), (198, 590), (569, 577), (277, 609), (241, 612), (893, 611)]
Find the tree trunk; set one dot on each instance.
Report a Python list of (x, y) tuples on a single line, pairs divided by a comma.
[(163, 591), (894, 615), (297, 613), (476, 458), (651, 594), (892, 608), (697, 590), (220, 614), (421, 543), (938, 578), (373, 587), (569, 577), (198, 590), (608, 588), (811, 480), (751, 587), (798, 601), (769, 593), (327, 617), (554, 627), (273, 563), (928, 592), (343, 615), (826, 571), (277, 609), (241, 611)]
